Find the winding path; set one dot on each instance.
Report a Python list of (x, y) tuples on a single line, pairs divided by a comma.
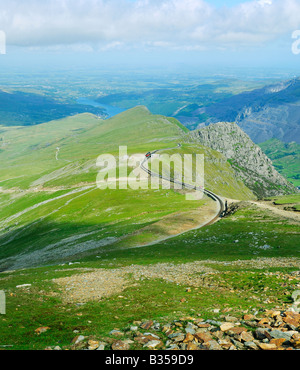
[(209, 193)]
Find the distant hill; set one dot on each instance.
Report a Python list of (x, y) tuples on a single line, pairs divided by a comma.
[(285, 158), (265, 113), (176, 98), (248, 160), (83, 137), (25, 109)]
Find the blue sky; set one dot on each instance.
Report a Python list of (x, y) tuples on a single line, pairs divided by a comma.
[(183, 31), (229, 3)]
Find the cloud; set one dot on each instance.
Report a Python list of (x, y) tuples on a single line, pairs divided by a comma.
[(265, 2), (108, 24)]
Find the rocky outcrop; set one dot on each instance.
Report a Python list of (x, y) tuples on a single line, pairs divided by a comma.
[(269, 330), (247, 159), (270, 112)]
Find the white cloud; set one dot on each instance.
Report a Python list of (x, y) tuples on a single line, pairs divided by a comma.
[(108, 24), (265, 2)]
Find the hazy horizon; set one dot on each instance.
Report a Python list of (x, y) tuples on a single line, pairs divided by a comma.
[(169, 35)]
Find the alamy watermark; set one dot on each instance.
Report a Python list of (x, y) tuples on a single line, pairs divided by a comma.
[(296, 43), (153, 171), (2, 303)]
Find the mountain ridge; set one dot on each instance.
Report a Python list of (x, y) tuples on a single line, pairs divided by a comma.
[(42, 191), (269, 112), (246, 158)]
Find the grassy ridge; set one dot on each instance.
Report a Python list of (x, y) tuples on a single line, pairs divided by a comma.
[(29, 153), (50, 208)]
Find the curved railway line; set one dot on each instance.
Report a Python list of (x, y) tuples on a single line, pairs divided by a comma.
[(210, 194)]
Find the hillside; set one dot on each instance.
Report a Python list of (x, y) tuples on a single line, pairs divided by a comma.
[(51, 210), (23, 109), (285, 158), (240, 272), (248, 160), (77, 262)]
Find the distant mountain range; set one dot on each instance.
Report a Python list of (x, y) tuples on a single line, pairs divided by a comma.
[(270, 116), (264, 114), (26, 109)]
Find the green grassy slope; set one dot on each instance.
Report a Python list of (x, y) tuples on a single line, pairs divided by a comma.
[(50, 208), (285, 157), (29, 152), (63, 217), (245, 285), (250, 233)]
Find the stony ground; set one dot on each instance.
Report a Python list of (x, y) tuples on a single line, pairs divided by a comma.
[(99, 283), (270, 330), (277, 329), (253, 329)]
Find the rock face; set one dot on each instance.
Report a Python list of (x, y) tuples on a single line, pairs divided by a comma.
[(270, 112), (248, 160)]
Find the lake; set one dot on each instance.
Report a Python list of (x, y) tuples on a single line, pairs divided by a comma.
[(109, 109)]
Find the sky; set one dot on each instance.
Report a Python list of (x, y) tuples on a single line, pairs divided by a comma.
[(234, 32)]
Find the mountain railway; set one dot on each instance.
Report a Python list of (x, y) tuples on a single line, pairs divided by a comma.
[(222, 208)]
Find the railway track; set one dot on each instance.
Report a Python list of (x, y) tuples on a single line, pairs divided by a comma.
[(210, 194)]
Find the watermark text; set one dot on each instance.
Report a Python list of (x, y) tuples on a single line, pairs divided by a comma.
[(2, 303), (153, 171)]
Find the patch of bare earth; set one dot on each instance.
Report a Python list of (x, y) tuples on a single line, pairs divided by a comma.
[(278, 210), (101, 283), (93, 285)]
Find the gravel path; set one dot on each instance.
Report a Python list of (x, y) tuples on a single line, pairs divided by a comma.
[(281, 212)]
